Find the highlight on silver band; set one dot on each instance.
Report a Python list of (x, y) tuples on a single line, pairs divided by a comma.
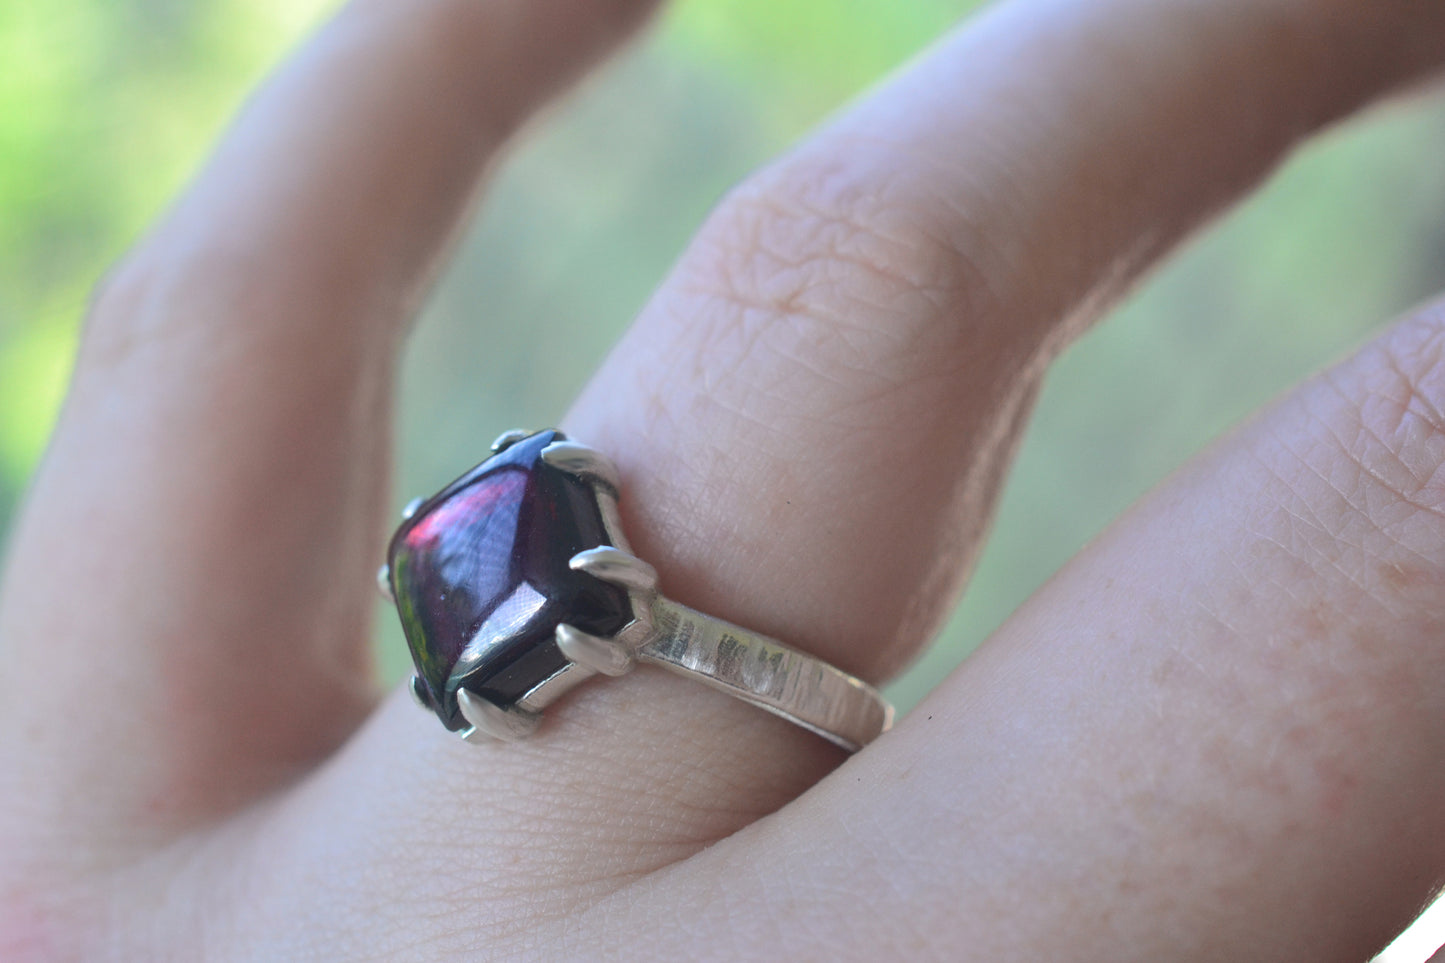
[(806, 691)]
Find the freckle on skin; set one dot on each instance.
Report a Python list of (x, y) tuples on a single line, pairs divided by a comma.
[(1338, 790), (1411, 582), (1314, 623)]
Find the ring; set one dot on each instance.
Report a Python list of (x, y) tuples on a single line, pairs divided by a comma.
[(515, 583)]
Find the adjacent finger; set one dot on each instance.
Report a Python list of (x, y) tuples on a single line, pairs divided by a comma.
[(813, 415), (1218, 734), (187, 598)]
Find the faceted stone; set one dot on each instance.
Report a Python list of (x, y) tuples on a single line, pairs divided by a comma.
[(481, 579)]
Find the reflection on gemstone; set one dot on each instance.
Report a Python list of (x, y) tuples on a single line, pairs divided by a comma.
[(512, 616), (481, 578), (452, 569)]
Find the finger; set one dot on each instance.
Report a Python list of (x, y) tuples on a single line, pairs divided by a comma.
[(847, 352), (190, 578), (813, 415), (1216, 735)]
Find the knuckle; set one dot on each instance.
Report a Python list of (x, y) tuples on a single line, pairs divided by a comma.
[(131, 309), (1369, 469), (1393, 430), (168, 297), (852, 261), (120, 305)]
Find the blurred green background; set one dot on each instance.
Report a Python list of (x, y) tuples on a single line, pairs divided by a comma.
[(107, 105)]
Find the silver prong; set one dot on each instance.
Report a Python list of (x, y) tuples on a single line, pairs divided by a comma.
[(417, 688), (411, 508), (477, 737), (616, 567), (582, 461), (489, 719), (509, 438), (602, 655), (383, 583)]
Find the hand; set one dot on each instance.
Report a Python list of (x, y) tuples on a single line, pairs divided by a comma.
[(1217, 735)]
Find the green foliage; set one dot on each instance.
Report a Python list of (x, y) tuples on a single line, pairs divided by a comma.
[(800, 60)]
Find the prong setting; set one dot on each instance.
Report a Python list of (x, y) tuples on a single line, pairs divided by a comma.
[(509, 438), (491, 721), (408, 512), (616, 567), (586, 463), (607, 656), (552, 497), (623, 588)]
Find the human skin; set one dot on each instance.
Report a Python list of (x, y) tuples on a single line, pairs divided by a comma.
[(1217, 734)]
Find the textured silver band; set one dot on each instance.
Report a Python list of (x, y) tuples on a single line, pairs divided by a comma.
[(806, 691)]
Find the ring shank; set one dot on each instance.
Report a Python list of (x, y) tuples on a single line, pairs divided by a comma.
[(806, 691)]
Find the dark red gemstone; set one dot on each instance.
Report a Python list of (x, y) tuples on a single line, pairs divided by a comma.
[(481, 579)]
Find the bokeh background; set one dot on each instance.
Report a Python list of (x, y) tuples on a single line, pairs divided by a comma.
[(106, 106)]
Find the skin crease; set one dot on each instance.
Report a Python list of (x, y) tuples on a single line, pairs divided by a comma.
[(1215, 735)]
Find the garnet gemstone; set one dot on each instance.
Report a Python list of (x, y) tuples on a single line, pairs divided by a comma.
[(481, 579)]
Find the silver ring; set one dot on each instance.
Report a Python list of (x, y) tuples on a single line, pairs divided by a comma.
[(515, 583)]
